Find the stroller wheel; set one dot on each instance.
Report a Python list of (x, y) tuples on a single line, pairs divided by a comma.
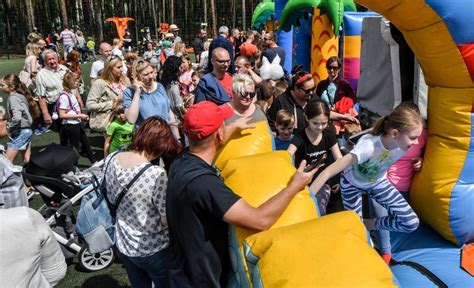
[(97, 261)]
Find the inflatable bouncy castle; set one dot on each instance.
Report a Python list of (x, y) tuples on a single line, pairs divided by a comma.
[(305, 250), (251, 168)]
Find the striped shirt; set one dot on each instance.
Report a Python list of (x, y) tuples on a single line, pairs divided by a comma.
[(69, 38), (50, 82)]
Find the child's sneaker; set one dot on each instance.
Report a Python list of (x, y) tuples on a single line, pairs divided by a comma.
[(44, 129), (37, 131), (387, 257)]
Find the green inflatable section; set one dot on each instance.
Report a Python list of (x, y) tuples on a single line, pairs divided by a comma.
[(263, 12), (296, 9)]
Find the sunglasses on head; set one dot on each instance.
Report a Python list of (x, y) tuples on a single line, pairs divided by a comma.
[(114, 57), (247, 94), (330, 68)]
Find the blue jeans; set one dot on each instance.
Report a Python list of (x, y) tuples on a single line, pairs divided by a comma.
[(142, 271)]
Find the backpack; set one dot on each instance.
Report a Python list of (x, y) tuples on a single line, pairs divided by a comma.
[(57, 104), (96, 219)]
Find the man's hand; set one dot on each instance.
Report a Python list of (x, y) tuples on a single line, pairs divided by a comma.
[(243, 123), (301, 179)]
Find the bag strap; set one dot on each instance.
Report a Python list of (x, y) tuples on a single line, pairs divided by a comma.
[(114, 207), (70, 103), (423, 270)]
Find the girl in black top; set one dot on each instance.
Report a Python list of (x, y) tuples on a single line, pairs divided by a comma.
[(314, 142)]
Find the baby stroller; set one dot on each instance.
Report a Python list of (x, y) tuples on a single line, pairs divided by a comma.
[(52, 172)]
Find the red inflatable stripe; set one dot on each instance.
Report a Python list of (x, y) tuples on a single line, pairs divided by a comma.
[(467, 53)]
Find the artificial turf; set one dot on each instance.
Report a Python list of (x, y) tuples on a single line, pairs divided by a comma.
[(115, 275)]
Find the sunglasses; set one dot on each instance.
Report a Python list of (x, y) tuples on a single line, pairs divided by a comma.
[(308, 91), (223, 61), (114, 57), (331, 68), (247, 94)]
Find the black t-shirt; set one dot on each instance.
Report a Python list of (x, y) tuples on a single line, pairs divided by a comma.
[(197, 200), (311, 153), (287, 102)]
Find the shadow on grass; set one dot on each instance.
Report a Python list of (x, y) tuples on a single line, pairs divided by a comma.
[(103, 281)]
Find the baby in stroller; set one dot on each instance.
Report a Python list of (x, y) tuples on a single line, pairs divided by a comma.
[(53, 173)]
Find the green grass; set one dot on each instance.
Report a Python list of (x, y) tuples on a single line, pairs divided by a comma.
[(114, 276)]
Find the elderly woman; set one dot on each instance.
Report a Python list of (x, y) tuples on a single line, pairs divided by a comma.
[(146, 97), (243, 89), (142, 227), (104, 91)]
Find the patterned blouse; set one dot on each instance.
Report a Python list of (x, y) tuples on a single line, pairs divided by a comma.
[(139, 230)]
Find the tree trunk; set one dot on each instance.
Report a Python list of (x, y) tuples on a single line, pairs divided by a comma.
[(64, 18), (98, 18), (30, 15), (244, 22), (232, 4), (205, 11), (214, 17), (172, 11), (155, 21)]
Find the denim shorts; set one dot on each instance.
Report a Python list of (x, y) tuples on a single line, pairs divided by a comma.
[(68, 48), (20, 139)]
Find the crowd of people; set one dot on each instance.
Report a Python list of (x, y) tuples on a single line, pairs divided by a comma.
[(157, 105)]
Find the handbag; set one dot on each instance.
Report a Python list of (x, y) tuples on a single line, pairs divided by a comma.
[(99, 121), (96, 219)]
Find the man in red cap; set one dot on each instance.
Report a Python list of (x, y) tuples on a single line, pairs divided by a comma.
[(200, 206)]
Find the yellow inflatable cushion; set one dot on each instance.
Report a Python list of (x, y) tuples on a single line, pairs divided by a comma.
[(246, 142), (331, 251), (257, 178)]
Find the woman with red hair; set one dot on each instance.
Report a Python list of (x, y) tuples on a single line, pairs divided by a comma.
[(142, 228)]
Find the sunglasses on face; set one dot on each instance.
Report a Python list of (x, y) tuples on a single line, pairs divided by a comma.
[(308, 91), (331, 68), (223, 61), (247, 94)]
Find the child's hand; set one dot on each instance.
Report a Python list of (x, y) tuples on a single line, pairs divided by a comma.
[(84, 117), (417, 163)]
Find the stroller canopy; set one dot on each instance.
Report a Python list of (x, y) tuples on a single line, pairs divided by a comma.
[(53, 160)]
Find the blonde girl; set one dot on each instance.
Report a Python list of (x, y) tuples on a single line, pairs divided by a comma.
[(365, 167)]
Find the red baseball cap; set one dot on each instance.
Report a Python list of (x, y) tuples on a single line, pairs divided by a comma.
[(204, 118)]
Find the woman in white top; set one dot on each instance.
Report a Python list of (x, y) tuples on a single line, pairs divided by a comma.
[(142, 228), (205, 55), (32, 66)]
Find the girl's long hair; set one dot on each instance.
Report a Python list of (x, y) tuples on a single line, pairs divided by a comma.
[(109, 65), (13, 80), (170, 71), (402, 118)]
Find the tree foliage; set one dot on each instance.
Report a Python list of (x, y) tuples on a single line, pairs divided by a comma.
[(20, 16)]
